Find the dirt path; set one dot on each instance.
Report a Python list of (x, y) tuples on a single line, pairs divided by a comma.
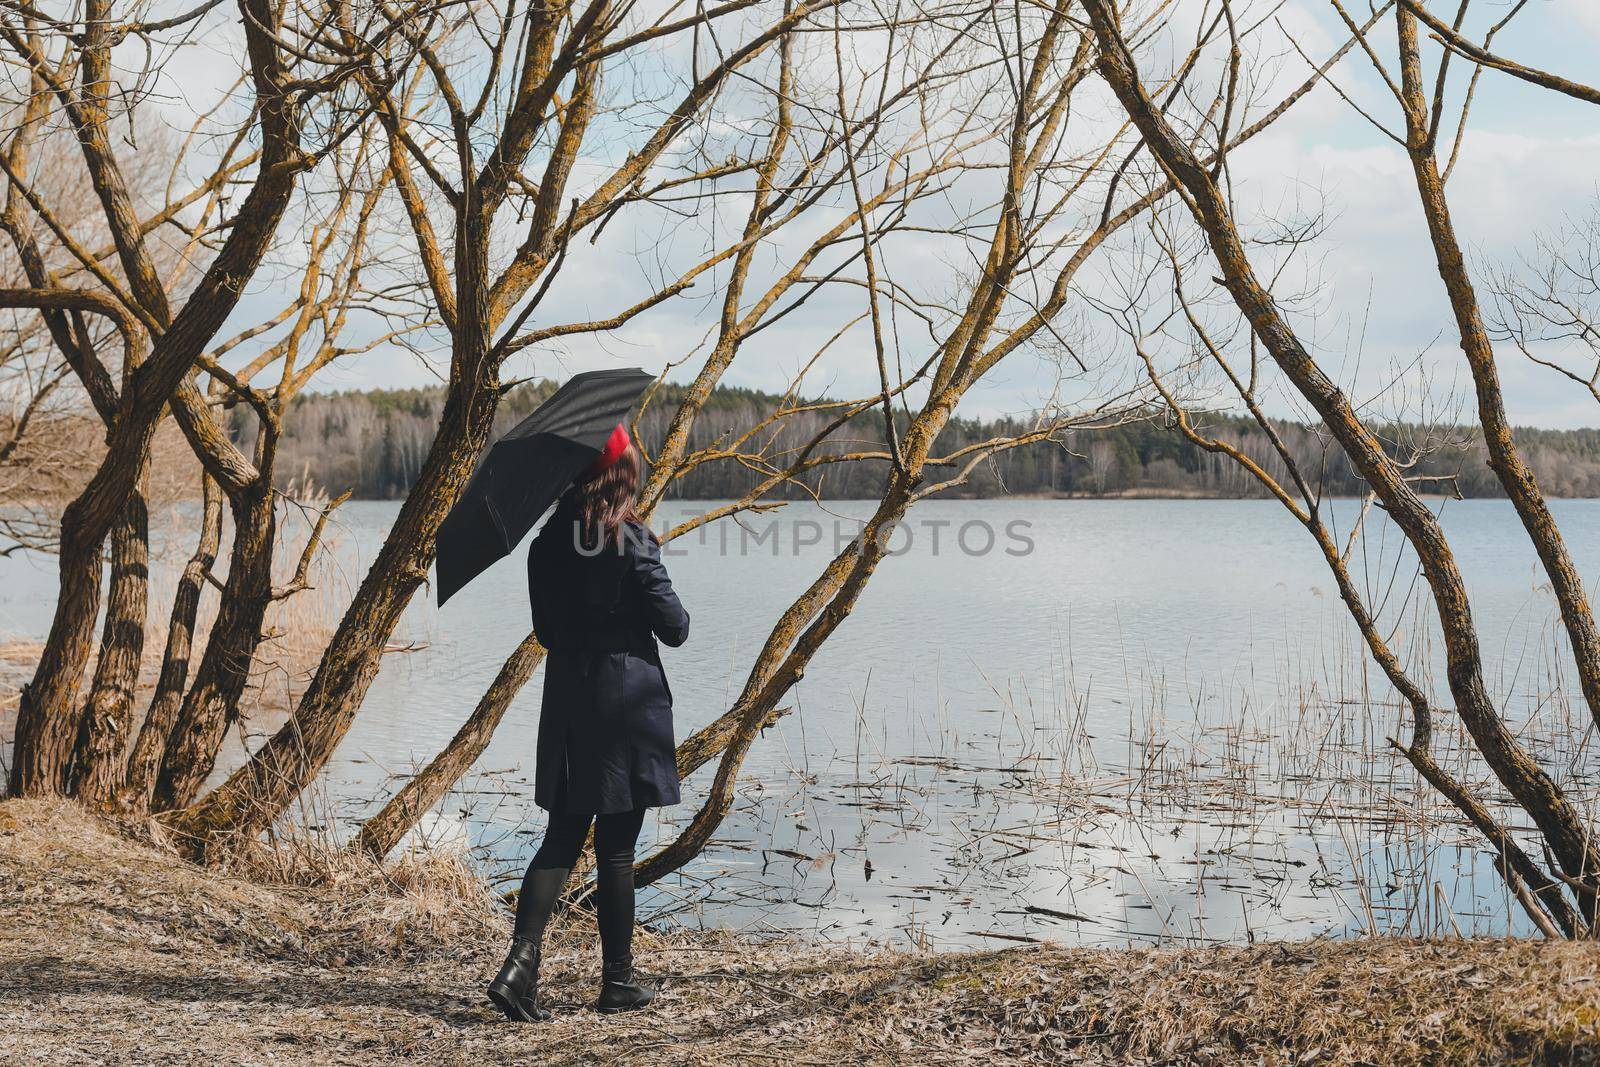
[(114, 951)]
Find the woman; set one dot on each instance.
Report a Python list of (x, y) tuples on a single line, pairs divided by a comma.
[(601, 599)]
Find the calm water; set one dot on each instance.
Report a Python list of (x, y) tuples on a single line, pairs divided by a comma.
[(1128, 721)]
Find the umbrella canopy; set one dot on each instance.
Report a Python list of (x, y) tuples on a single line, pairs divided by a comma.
[(524, 472)]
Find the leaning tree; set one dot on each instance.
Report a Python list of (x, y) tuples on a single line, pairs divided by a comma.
[(1560, 893), (290, 108)]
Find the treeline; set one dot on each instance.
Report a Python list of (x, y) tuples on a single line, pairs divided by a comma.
[(373, 444)]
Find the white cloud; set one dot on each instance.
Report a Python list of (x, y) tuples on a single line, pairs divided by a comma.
[(1584, 13)]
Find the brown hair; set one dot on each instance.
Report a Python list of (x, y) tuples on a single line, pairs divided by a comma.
[(608, 500)]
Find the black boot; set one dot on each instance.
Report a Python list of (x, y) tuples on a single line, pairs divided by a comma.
[(515, 990), (619, 991)]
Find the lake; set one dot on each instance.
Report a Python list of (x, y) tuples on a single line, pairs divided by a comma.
[(1091, 721)]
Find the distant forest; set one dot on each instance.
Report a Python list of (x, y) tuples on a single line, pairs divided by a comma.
[(373, 444)]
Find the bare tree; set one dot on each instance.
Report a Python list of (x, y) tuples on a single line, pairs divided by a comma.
[(517, 106), (800, 164), (163, 333), (1023, 274), (879, 199), (1451, 37), (1301, 492), (1423, 118), (309, 333), (1563, 830), (1549, 306)]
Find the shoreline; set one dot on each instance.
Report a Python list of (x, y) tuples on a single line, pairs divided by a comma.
[(115, 950)]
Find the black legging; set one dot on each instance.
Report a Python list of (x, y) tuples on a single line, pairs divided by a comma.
[(614, 839)]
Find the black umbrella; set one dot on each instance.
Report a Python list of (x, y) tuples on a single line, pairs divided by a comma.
[(523, 473)]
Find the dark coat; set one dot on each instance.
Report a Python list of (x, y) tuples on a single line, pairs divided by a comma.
[(605, 727)]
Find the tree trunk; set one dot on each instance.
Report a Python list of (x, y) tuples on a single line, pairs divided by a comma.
[(47, 726), (712, 739), (150, 748), (107, 720), (256, 794), (212, 704), (267, 784), (47, 720), (1504, 457), (381, 833), (1539, 796)]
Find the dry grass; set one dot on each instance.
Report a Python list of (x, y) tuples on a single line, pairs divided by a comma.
[(112, 950), (419, 904)]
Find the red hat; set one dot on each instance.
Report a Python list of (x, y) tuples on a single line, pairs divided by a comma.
[(610, 452)]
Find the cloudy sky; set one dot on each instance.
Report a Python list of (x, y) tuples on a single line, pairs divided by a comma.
[(1529, 165)]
